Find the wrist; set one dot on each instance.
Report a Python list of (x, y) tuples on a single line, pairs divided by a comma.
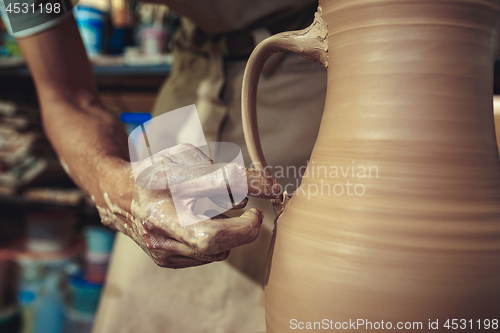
[(116, 183)]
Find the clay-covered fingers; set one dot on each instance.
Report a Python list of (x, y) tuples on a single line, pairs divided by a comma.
[(167, 260), (189, 173), (195, 166), (186, 154), (219, 235), (173, 254), (153, 172), (203, 181), (164, 173), (163, 259), (211, 180), (223, 202)]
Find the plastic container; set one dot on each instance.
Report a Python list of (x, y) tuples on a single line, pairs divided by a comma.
[(43, 275), (85, 289), (84, 299), (84, 295), (91, 23), (40, 296), (134, 119), (153, 40), (99, 245)]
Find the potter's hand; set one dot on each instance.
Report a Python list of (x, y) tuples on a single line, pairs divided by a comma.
[(173, 235), (92, 146)]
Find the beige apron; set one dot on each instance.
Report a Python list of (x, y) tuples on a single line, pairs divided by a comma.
[(228, 296)]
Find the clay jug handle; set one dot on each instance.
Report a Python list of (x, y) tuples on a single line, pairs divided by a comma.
[(311, 43)]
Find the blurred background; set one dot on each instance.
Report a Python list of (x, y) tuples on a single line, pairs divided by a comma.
[(54, 252)]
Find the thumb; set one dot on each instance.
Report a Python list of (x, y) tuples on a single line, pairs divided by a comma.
[(261, 185)]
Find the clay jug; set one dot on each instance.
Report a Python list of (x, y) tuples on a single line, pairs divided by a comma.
[(416, 243)]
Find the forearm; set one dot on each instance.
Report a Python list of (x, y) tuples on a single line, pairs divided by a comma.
[(91, 145), (90, 142)]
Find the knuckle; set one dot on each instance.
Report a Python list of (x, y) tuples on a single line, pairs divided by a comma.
[(161, 258), (155, 254), (203, 243), (164, 264), (223, 256), (235, 171), (203, 246), (185, 145), (254, 234)]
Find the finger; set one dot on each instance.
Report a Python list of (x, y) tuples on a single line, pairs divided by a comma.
[(219, 235), (186, 154), (219, 178), (215, 214), (152, 171), (199, 181), (142, 168), (203, 181), (223, 202), (178, 174), (177, 261), (169, 252), (153, 176), (166, 172), (241, 204), (262, 186), (207, 180)]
